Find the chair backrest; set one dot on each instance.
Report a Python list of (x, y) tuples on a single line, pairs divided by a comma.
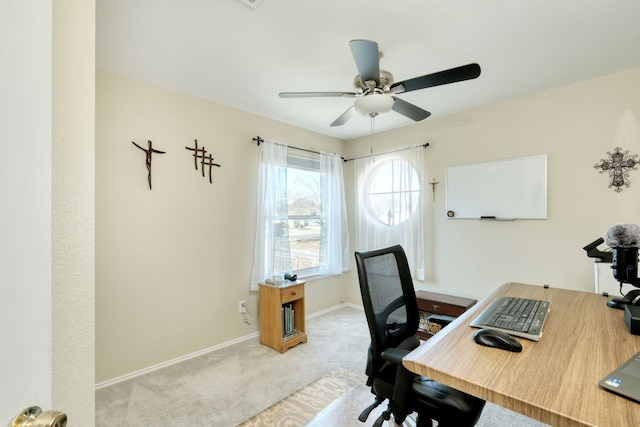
[(388, 298)]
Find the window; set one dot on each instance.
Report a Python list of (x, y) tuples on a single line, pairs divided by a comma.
[(301, 220), (306, 221), (393, 191), (389, 204)]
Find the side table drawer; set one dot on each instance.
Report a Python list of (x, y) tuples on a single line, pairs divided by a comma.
[(291, 293)]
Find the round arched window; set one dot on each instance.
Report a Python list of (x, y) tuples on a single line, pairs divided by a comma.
[(393, 191)]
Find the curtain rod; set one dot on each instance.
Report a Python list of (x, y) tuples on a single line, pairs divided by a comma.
[(425, 145), (259, 141)]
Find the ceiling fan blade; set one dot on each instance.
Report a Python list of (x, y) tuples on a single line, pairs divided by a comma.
[(344, 117), (407, 109), (316, 94), (365, 53), (453, 75)]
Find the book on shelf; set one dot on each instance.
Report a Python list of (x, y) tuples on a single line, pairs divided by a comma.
[(288, 320)]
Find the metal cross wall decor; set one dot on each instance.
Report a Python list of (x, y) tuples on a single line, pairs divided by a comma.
[(618, 165), (205, 160), (149, 152)]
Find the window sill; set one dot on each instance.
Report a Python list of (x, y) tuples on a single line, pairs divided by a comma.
[(312, 277)]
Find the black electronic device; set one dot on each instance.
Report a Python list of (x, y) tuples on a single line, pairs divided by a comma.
[(520, 317), (624, 240), (497, 339), (632, 318), (594, 252)]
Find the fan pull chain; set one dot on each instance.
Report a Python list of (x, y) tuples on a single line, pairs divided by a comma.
[(371, 140)]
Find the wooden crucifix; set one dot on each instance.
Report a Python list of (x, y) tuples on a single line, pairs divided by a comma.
[(149, 152)]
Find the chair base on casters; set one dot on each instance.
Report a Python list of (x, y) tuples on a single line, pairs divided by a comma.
[(420, 421), (365, 414)]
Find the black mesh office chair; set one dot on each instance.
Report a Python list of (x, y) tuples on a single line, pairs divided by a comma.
[(391, 308)]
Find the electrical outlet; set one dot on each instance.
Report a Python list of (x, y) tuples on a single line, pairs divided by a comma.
[(242, 307)]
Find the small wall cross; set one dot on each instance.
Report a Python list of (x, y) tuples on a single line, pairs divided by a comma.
[(433, 184)]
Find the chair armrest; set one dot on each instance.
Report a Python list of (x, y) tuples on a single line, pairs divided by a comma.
[(401, 402), (394, 355), (441, 319)]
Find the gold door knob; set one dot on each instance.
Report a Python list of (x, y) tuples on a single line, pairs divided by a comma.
[(34, 417)]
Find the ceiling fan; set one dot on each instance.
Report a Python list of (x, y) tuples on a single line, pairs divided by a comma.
[(375, 89)]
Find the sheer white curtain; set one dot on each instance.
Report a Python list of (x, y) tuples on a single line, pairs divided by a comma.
[(335, 239), (271, 252), (390, 204)]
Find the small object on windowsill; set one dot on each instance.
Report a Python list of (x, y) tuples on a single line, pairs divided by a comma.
[(290, 277)]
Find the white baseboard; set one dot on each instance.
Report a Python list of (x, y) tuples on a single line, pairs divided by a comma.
[(335, 307), (207, 350)]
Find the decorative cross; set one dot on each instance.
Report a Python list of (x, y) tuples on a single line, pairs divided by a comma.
[(205, 160), (618, 165), (433, 184), (149, 151)]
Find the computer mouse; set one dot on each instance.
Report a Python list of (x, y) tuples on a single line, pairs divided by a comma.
[(497, 339)]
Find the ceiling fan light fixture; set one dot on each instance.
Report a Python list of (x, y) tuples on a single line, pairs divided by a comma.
[(374, 88), (374, 104)]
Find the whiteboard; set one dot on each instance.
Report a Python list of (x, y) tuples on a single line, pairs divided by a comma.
[(502, 189)]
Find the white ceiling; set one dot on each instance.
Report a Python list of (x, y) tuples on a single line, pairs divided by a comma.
[(227, 52)]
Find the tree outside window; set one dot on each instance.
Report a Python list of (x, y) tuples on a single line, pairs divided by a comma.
[(306, 219)]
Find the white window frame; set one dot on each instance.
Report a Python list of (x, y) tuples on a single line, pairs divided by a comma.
[(400, 196)]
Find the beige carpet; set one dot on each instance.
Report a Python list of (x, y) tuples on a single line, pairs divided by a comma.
[(302, 406), (228, 386)]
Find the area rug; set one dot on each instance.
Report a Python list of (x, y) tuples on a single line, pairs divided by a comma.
[(303, 405), (337, 399), (345, 410)]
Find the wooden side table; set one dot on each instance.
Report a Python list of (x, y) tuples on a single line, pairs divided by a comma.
[(433, 303), (282, 315)]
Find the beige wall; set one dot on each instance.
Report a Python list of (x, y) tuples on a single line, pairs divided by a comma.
[(173, 262), (73, 210), (575, 126)]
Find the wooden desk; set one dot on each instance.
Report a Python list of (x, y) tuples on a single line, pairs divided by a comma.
[(554, 380)]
